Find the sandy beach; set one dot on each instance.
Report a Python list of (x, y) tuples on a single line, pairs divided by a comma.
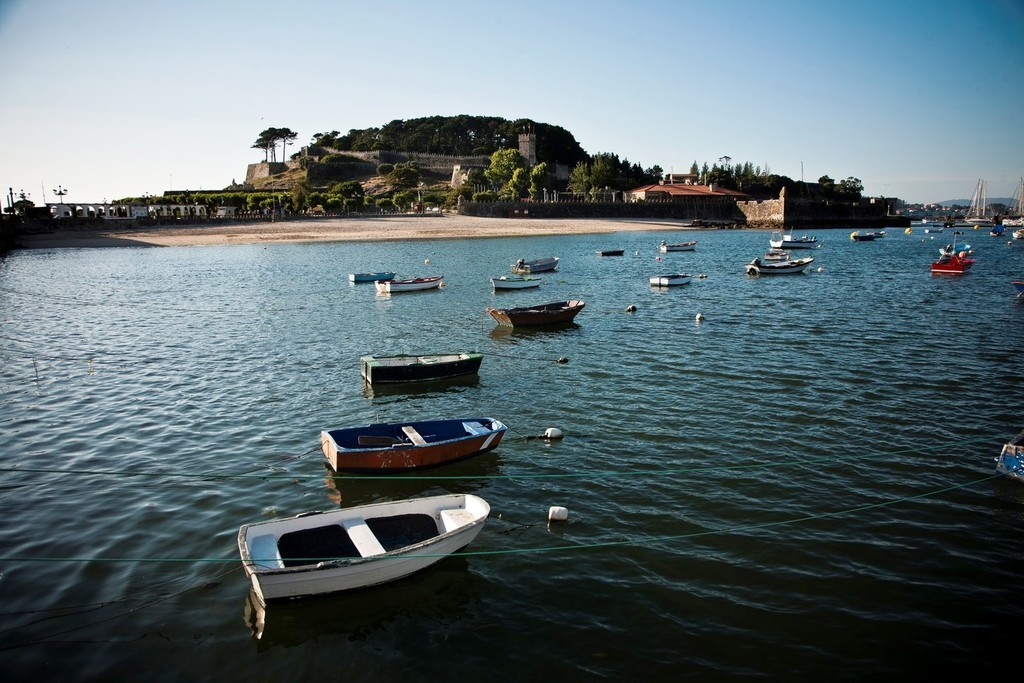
[(337, 230)]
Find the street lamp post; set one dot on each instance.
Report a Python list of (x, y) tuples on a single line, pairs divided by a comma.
[(60, 192)]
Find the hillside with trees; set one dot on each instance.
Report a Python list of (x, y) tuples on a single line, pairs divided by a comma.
[(345, 180)]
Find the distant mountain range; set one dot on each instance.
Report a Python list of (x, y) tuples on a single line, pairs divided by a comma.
[(967, 202)]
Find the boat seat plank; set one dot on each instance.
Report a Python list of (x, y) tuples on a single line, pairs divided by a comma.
[(397, 531), (475, 428), (455, 518), (309, 546), (371, 440), (264, 552), (413, 435), (362, 537)]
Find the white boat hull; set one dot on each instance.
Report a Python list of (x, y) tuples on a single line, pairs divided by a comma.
[(756, 267), (670, 280), (459, 518), (515, 282), (683, 246), (394, 286)]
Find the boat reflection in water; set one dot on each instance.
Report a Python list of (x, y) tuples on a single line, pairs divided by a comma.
[(441, 596), (440, 386), (348, 489)]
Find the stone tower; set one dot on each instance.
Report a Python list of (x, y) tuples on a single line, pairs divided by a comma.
[(528, 146)]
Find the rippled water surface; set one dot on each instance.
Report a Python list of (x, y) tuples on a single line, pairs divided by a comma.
[(799, 486)]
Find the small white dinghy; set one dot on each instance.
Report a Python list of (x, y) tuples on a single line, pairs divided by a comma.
[(670, 280), (315, 553)]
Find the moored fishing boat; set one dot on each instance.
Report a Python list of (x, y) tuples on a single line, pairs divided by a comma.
[(774, 254), (370, 277), (665, 247), (610, 252), (401, 368), (386, 447), (780, 240), (524, 282), (951, 261), (862, 236), (542, 314), (316, 553), (670, 280), (409, 285), (791, 267), (540, 265), (1010, 461)]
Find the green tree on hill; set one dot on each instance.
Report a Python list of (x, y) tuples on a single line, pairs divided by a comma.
[(268, 139), (504, 163)]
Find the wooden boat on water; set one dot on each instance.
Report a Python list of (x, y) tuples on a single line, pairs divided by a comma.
[(418, 368), (540, 265), (385, 447), (863, 236), (665, 247), (1010, 462), (779, 240), (532, 316), (524, 282), (777, 255), (791, 267), (411, 285), (370, 277), (315, 553), (951, 261), (671, 280), (611, 252)]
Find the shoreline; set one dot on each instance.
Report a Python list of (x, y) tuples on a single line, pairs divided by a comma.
[(363, 229)]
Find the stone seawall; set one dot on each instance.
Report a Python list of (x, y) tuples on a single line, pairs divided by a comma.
[(725, 212), (771, 214)]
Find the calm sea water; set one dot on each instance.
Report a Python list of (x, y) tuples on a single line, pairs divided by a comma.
[(801, 486)]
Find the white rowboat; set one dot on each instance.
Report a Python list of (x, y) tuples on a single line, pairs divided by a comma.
[(315, 553)]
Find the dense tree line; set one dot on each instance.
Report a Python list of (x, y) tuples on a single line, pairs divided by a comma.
[(461, 135)]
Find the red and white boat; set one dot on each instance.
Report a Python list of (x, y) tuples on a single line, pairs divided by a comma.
[(410, 285), (951, 261)]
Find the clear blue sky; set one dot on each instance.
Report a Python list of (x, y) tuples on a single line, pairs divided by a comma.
[(115, 98)]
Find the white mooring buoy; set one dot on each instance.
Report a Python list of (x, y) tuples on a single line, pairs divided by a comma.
[(552, 433), (631, 309), (557, 513), (699, 317)]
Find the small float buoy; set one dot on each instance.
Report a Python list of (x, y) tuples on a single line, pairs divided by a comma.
[(637, 252), (699, 317), (702, 276), (426, 260), (907, 231), (821, 269), (657, 258), (557, 513), (631, 309), (552, 433), (562, 359)]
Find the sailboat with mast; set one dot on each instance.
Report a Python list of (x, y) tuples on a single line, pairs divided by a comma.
[(1015, 215), (978, 215)]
